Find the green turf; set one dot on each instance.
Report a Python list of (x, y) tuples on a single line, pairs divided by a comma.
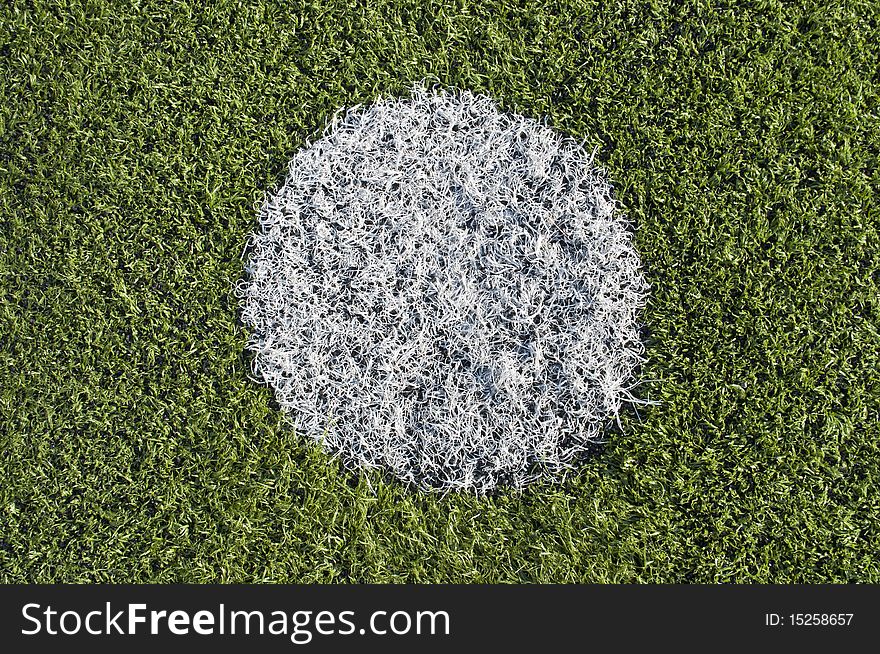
[(742, 137)]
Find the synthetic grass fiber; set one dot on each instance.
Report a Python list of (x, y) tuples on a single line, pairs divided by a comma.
[(137, 140), (446, 291)]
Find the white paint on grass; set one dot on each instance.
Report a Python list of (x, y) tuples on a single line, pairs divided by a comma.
[(445, 291)]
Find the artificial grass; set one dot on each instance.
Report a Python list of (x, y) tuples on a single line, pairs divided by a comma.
[(743, 139)]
